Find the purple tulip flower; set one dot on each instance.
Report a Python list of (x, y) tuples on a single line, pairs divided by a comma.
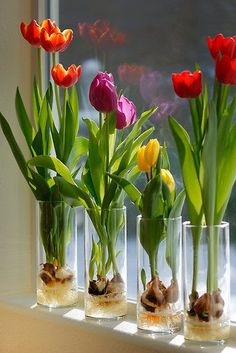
[(102, 93), (126, 113)]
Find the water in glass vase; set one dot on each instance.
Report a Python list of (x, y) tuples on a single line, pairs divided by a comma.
[(105, 265), (57, 255)]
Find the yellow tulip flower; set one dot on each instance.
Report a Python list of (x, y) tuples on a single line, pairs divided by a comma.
[(168, 179), (152, 152), (142, 164)]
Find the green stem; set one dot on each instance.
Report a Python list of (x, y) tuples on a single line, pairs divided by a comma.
[(100, 121), (196, 233), (153, 264), (113, 257), (211, 262), (196, 121), (103, 257), (223, 98), (56, 90), (40, 71), (107, 153), (213, 249)]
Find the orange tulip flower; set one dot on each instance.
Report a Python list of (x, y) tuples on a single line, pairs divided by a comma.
[(55, 41), (65, 78), (31, 32)]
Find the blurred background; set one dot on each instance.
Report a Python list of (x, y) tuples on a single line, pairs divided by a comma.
[(142, 44)]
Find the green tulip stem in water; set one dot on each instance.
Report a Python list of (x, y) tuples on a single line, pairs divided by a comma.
[(213, 249), (196, 233), (153, 260), (103, 262), (55, 230), (112, 252)]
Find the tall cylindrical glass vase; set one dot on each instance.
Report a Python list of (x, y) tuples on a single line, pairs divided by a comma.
[(206, 282), (57, 254), (105, 263), (159, 301)]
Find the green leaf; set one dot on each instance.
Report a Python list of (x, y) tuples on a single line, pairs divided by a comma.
[(204, 111), (41, 187), (176, 210), (173, 232), (74, 192), (143, 278), (152, 198), (37, 144), (23, 119), (208, 170), (44, 125), (74, 104), (226, 174), (189, 171), (19, 157), (133, 193), (95, 162), (37, 101), (54, 164), (133, 133), (151, 233), (69, 133), (80, 149), (55, 136), (49, 95), (88, 182)]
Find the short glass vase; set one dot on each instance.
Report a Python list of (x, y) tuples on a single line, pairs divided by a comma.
[(105, 263), (159, 253), (57, 255), (206, 282)]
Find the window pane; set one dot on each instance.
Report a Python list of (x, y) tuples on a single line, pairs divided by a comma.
[(163, 37)]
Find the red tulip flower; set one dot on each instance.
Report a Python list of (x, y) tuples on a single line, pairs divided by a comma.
[(31, 32), (55, 41), (226, 70), (65, 78), (222, 45), (102, 93), (187, 84)]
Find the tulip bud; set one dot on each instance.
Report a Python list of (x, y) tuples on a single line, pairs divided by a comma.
[(142, 165), (152, 152), (126, 113), (102, 93), (168, 179)]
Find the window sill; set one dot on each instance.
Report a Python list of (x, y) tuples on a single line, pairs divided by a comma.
[(25, 327)]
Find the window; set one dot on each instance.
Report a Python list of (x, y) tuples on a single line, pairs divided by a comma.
[(163, 37)]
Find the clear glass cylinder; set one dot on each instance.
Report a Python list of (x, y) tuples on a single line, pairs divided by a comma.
[(206, 282), (159, 253), (57, 254), (105, 263)]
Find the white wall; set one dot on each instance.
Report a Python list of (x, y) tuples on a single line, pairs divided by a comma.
[(16, 201)]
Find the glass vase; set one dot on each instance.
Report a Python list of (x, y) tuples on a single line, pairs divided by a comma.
[(105, 263), (206, 282), (160, 300), (57, 255)]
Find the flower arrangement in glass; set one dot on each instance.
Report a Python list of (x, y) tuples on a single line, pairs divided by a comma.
[(159, 307), (57, 273), (105, 235), (209, 172)]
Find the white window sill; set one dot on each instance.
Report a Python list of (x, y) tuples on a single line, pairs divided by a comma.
[(25, 327)]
